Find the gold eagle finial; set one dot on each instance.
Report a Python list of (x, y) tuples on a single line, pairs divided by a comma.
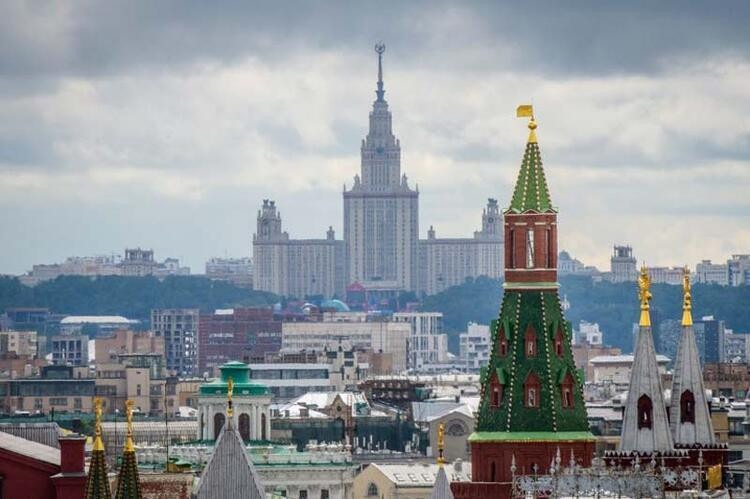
[(644, 284), (687, 299)]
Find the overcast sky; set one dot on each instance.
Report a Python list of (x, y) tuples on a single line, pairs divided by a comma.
[(164, 124)]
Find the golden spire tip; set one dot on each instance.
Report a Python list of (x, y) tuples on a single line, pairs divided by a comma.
[(129, 447), (687, 299), (441, 444), (98, 444), (644, 283)]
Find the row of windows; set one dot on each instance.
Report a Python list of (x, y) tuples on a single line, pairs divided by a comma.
[(532, 392), (530, 343)]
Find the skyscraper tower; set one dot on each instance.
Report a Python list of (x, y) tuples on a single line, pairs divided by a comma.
[(381, 225), (531, 397)]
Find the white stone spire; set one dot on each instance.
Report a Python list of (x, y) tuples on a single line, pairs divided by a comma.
[(690, 418), (645, 427)]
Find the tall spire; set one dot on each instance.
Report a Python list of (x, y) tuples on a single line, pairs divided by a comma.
[(97, 482), (645, 426), (531, 192), (128, 480), (379, 49), (690, 419)]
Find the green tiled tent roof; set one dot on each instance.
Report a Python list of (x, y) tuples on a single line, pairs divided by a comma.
[(128, 481), (97, 483), (531, 192)]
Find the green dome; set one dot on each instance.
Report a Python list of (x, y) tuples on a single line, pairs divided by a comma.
[(243, 385)]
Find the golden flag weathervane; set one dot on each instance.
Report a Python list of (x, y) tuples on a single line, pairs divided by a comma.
[(527, 111)]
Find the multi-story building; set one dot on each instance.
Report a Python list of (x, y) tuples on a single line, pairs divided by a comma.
[(567, 265), (19, 343), (738, 270), (446, 262), (295, 267), (334, 371), (100, 324), (726, 379), (617, 368), (179, 328), (736, 347), (124, 341), (666, 275), (352, 330), (588, 333), (75, 265), (70, 350), (623, 264), (712, 273), (381, 211), (238, 271), (140, 262), (475, 345), (427, 343), (228, 335), (139, 377), (712, 334), (62, 388)]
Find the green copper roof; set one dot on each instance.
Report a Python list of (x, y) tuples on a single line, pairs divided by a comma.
[(540, 312), (128, 481), (97, 483), (531, 192), (530, 436), (243, 385)]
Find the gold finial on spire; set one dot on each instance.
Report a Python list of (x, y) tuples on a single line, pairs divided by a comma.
[(644, 283), (441, 444), (527, 111), (687, 300), (129, 447), (98, 444), (230, 390)]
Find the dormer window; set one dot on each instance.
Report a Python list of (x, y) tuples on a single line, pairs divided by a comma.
[(566, 391), (496, 391), (687, 407), (530, 342), (645, 412), (502, 348), (559, 343), (532, 391)]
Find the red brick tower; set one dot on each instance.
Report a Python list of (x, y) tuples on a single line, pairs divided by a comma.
[(532, 401)]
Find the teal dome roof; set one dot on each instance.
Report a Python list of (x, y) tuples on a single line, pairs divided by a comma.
[(243, 385), (339, 305)]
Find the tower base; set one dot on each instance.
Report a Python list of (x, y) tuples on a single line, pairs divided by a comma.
[(493, 454)]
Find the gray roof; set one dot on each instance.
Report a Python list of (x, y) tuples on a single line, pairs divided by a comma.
[(42, 433), (645, 380), (688, 376), (423, 412), (442, 488), (229, 473), (27, 448)]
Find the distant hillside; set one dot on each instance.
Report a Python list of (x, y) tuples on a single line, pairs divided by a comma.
[(613, 306), (132, 297)]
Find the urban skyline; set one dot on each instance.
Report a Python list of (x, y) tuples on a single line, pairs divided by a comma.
[(672, 184)]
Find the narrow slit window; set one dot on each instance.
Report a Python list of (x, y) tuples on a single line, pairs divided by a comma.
[(530, 249)]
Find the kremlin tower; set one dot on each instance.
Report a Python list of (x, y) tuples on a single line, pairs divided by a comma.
[(532, 405)]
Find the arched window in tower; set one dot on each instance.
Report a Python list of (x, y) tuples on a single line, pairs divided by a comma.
[(496, 391), (645, 412), (502, 343), (687, 407), (263, 435), (530, 249), (559, 342), (566, 391), (218, 423), (492, 471), (512, 249), (530, 341), (531, 390), (244, 425)]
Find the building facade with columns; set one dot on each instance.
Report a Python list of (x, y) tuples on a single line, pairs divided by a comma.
[(251, 401)]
